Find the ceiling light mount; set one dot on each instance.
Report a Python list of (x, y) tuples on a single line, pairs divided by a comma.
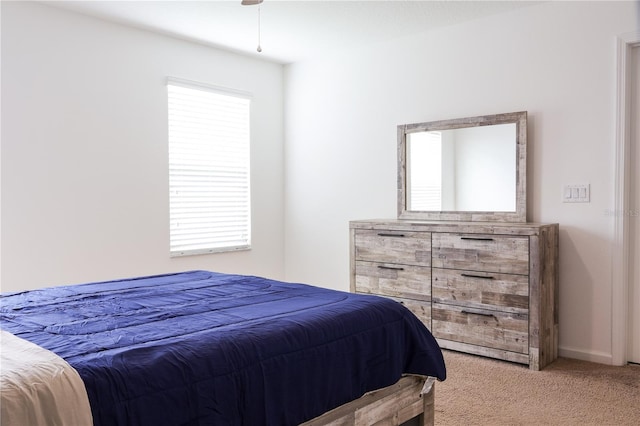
[(253, 3)]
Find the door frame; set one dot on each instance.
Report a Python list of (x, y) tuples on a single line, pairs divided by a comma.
[(620, 283)]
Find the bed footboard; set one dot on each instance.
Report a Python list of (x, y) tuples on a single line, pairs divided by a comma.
[(411, 397)]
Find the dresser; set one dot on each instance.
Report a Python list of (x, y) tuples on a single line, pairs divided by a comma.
[(486, 288)]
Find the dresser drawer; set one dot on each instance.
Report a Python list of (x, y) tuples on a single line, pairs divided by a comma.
[(504, 292), (408, 248), (498, 330), (420, 309), (393, 280), (476, 252)]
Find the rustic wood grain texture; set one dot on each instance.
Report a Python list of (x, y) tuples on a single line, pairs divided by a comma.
[(495, 329), (420, 308), (548, 289), (499, 354), (520, 213), (394, 280), (507, 292), (411, 248), (493, 286), (392, 405), (481, 252)]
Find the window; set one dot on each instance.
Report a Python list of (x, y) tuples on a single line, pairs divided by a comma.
[(209, 194)]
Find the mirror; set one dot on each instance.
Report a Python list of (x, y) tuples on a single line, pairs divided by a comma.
[(468, 169)]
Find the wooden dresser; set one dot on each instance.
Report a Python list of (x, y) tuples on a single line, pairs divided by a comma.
[(485, 288)]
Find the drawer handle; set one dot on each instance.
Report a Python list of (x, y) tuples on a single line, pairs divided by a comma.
[(477, 276), (394, 268), (478, 313), (477, 238), (384, 234)]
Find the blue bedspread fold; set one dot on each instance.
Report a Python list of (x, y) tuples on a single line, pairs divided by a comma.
[(206, 348)]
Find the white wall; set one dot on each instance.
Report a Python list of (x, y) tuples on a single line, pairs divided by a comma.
[(555, 60), (84, 150)]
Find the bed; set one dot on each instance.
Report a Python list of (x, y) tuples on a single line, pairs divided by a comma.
[(209, 348)]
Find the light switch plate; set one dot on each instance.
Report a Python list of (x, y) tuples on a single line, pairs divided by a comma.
[(576, 193)]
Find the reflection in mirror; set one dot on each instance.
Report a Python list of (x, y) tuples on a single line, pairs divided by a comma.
[(471, 169), (467, 169)]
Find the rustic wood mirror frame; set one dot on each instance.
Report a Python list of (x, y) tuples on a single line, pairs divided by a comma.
[(520, 213)]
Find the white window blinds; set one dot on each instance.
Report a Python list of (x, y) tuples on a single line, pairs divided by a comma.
[(209, 200)]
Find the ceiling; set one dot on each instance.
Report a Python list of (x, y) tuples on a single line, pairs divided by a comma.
[(290, 31)]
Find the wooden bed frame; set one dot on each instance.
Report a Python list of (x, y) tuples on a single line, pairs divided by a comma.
[(411, 397)]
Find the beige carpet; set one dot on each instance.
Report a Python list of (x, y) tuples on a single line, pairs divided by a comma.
[(482, 391)]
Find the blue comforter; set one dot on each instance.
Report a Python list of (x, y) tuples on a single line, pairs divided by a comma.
[(205, 348)]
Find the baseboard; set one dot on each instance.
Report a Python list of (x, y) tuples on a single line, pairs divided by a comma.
[(583, 355)]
